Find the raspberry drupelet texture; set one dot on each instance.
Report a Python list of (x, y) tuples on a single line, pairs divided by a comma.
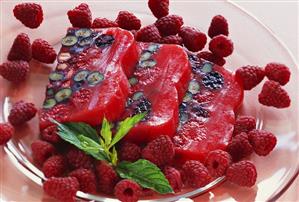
[(128, 21), (218, 26), (169, 25), (30, 14), (129, 152), (250, 76), (15, 71), (239, 147), (217, 162), (242, 173), (80, 16), (221, 45), (160, 151), (50, 134), (172, 39), (78, 159), (148, 33), (244, 124), (278, 72), (209, 56), (86, 178), (274, 95), (107, 177), (127, 191), (195, 174), (20, 49), (62, 188), (43, 51), (103, 23), (174, 178), (21, 112), (263, 142), (159, 8), (41, 151), (6, 132), (55, 166), (193, 39)]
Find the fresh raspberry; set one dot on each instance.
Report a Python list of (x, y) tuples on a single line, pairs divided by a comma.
[(21, 112), (6, 132), (147, 192), (207, 55), (278, 72), (50, 134), (195, 174), (263, 142), (62, 188), (250, 76), (169, 25), (274, 95), (78, 159), (80, 16), (15, 71), (81, 97), (129, 152), (128, 21), (30, 14), (159, 8), (174, 178), (239, 147), (127, 191), (160, 151), (172, 39), (221, 45), (217, 162), (218, 26), (43, 51), (86, 179), (242, 173), (149, 33), (193, 39), (20, 49), (103, 23), (134, 32), (107, 177), (55, 166), (244, 124), (41, 151)]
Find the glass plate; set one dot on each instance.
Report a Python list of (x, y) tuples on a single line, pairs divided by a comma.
[(254, 44)]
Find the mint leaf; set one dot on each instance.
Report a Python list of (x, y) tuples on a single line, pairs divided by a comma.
[(92, 148), (125, 126), (146, 174), (106, 132), (84, 129), (114, 157)]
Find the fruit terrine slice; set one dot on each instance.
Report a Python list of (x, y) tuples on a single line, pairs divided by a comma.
[(158, 84), (89, 82), (207, 113)]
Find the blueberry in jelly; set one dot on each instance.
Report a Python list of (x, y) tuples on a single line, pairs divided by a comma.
[(83, 32), (81, 75), (104, 40), (200, 111), (143, 106), (49, 103), (63, 94), (85, 41), (69, 41), (75, 49), (213, 80), (56, 76)]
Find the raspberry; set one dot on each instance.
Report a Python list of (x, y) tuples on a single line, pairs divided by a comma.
[(221, 45), (6, 132), (207, 55), (159, 8), (174, 178), (62, 188), (274, 95), (134, 32), (43, 51), (21, 112), (15, 71), (149, 33), (147, 192), (54, 166), (242, 173), (81, 97), (217, 162), (103, 23), (169, 25), (78, 159), (86, 179), (172, 39), (263, 142), (128, 21), (239, 147), (195, 174), (250, 76), (41, 151), (129, 152), (160, 151), (218, 26), (127, 191), (58, 113), (244, 124), (50, 134), (80, 16), (30, 14), (20, 49), (193, 39), (278, 72), (107, 177)]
